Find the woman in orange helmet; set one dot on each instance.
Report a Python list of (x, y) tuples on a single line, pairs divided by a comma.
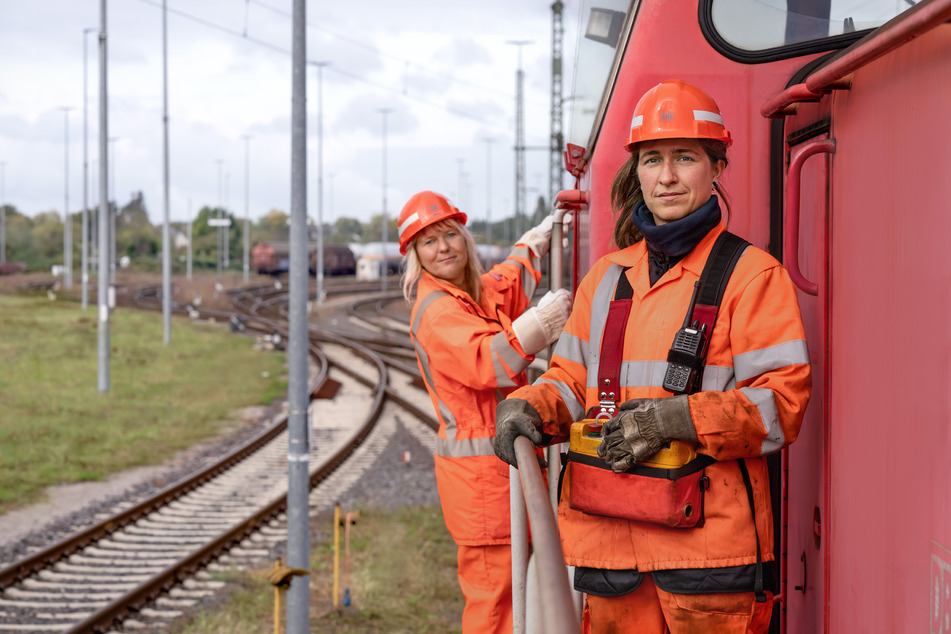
[(475, 334), (717, 398)]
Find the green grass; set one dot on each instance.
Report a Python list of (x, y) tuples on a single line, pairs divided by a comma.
[(55, 425), (402, 581)]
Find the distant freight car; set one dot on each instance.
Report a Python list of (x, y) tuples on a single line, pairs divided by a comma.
[(338, 260), (273, 258)]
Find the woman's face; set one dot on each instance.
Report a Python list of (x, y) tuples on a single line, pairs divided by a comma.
[(676, 177), (442, 252)]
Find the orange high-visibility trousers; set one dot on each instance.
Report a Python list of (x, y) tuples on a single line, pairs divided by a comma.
[(650, 610), (485, 576)]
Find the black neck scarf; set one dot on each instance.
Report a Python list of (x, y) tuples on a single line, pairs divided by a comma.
[(677, 238)]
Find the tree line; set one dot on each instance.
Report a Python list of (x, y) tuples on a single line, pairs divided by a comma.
[(37, 242)]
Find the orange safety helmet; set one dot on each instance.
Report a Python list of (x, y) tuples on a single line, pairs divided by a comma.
[(674, 109), (424, 209)]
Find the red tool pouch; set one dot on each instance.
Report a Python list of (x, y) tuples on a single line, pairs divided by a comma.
[(671, 497)]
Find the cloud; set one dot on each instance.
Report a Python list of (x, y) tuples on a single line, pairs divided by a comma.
[(445, 70)]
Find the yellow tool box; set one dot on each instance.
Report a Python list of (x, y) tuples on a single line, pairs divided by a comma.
[(586, 436)]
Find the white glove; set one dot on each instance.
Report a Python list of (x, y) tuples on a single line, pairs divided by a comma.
[(538, 238), (540, 326), (562, 296)]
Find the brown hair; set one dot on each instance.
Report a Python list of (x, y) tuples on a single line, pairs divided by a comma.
[(626, 192)]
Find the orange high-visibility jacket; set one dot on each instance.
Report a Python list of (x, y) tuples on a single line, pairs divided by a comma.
[(756, 383), (470, 359)]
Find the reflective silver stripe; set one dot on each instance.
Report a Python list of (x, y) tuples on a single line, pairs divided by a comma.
[(706, 115), (444, 412), (518, 251), (502, 351), (406, 223), (717, 378), (575, 407), (464, 448), (637, 121), (643, 374), (756, 362), (571, 347), (526, 278), (636, 374), (765, 402)]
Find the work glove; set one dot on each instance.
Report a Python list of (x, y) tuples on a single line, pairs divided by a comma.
[(538, 238), (539, 326), (642, 428), (516, 417)]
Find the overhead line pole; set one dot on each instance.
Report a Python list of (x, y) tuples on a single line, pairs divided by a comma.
[(226, 229), (519, 140), (385, 265), (218, 256), (166, 229), (488, 190), (103, 207), (319, 264), (247, 206), (3, 216), (298, 451), (84, 256), (191, 225), (113, 214), (67, 221), (556, 164)]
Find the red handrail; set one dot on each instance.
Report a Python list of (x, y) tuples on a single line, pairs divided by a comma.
[(791, 226), (920, 19)]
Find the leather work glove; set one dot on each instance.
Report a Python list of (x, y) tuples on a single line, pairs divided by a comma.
[(516, 417), (538, 238), (642, 428), (541, 325)]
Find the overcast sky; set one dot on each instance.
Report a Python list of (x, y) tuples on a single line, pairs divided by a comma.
[(445, 69)]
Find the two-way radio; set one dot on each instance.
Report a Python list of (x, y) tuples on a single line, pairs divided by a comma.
[(687, 353)]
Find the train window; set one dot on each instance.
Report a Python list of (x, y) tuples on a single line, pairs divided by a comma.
[(757, 25), (600, 31)]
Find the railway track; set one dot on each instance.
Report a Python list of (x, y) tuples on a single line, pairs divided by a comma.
[(143, 566)]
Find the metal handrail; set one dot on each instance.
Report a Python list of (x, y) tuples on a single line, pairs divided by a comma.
[(914, 22), (519, 498), (559, 616)]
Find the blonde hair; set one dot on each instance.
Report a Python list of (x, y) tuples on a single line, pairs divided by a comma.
[(413, 268), (626, 192)]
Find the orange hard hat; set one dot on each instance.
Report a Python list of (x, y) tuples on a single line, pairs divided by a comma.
[(424, 209), (674, 109)]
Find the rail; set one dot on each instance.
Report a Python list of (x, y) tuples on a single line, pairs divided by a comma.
[(916, 21)]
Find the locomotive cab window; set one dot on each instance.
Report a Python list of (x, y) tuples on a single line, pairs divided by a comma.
[(758, 25), (601, 25)]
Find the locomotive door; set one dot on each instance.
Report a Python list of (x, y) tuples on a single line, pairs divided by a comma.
[(889, 344), (808, 152), (873, 455)]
